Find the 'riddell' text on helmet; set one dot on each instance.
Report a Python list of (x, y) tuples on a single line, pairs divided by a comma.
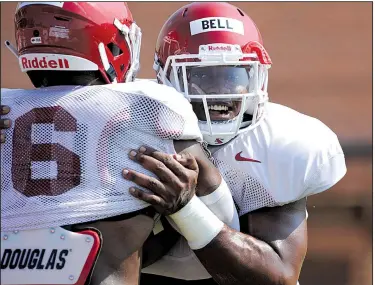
[(98, 37)]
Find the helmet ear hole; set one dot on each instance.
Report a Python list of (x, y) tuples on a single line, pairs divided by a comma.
[(114, 49)]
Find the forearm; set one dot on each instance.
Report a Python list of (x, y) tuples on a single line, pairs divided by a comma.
[(233, 257)]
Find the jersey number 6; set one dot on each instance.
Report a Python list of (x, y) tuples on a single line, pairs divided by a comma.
[(25, 152)]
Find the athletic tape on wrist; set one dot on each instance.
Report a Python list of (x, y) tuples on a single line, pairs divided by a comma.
[(220, 202), (197, 223)]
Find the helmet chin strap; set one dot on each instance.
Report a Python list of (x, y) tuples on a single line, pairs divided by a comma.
[(11, 48)]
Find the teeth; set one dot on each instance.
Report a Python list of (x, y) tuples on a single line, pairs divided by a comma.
[(218, 108)]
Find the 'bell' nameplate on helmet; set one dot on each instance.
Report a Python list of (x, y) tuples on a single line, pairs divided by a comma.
[(45, 256), (212, 24)]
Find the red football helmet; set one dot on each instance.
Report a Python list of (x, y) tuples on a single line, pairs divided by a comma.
[(213, 53), (78, 37)]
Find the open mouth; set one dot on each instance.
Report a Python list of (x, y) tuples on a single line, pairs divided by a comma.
[(219, 111)]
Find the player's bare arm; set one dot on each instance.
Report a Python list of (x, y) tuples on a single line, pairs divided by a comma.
[(256, 254)]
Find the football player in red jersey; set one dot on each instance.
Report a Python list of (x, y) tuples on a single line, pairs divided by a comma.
[(271, 156), (90, 44)]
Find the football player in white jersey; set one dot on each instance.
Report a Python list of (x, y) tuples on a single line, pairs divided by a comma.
[(271, 156), (65, 48)]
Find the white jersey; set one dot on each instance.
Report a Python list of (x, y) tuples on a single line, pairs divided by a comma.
[(287, 157), (63, 157)]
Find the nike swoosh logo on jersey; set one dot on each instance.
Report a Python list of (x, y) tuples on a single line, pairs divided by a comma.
[(238, 157)]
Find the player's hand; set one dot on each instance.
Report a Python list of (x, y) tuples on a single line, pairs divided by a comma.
[(4, 123), (178, 175)]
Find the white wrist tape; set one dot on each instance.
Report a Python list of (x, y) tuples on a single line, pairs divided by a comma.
[(220, 202), (197, 223)]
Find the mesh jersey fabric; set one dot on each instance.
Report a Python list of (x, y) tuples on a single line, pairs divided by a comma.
[(62, 160)]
